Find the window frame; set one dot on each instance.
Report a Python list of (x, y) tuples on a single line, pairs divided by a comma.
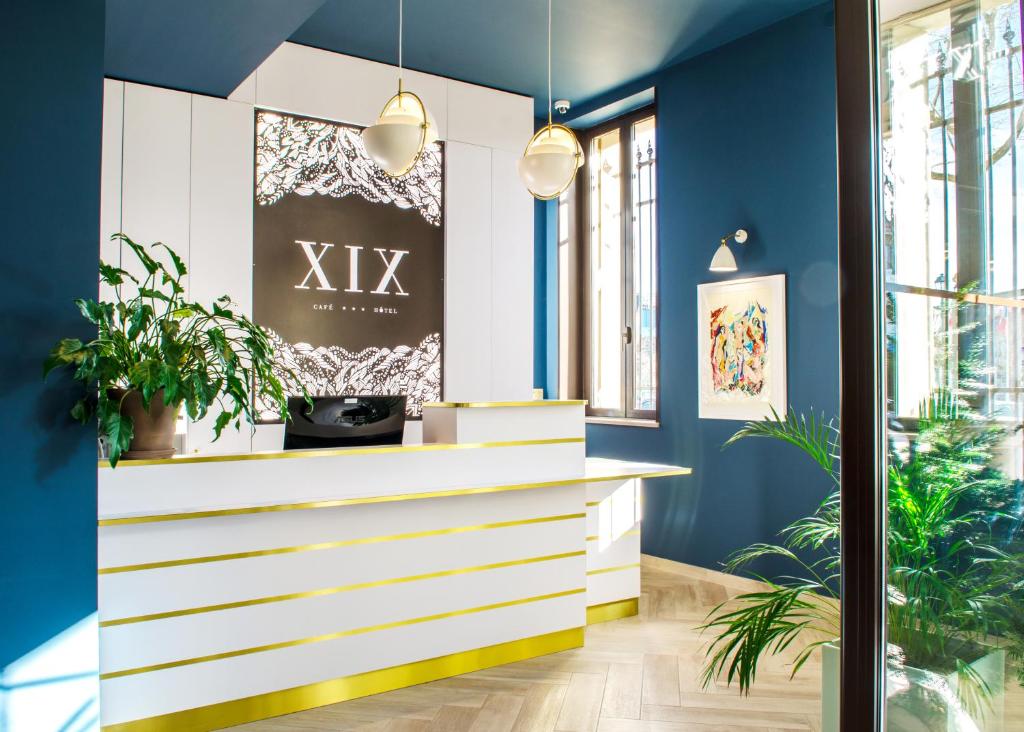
[(624, 124)]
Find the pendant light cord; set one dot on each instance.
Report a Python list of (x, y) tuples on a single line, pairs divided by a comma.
[(400, 23), (549, 65)]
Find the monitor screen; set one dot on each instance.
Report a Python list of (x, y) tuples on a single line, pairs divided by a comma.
[(344, 421)]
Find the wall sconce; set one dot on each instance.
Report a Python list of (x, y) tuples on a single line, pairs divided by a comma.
[(724, 261)]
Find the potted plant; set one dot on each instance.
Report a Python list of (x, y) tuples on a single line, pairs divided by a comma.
[(155, 351), (954, 594)]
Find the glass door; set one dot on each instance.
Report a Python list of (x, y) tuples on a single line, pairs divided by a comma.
[(933, 359), (950, 101)]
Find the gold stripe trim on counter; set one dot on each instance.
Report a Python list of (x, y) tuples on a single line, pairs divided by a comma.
[(613, 610), (337, 452), (335, 636), (532, 403), (335, 503), (619, 568), (334, 544), (287, 701), (337, 590), (631, 532)]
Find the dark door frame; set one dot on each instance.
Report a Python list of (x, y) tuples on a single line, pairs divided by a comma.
[(862, 395), (862, 407)]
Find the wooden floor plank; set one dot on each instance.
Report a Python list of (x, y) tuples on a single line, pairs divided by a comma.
[(581, 708), (622, 691), (661, 680)]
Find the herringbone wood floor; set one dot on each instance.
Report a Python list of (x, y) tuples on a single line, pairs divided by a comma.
[(638, 674), (634, 675)]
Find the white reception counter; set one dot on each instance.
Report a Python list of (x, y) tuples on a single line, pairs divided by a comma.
[(239, 587)]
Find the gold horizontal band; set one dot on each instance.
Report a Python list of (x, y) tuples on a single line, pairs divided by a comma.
[(618, 568), (337, 590), (487, 405), (613, 610), (335, 544), (335, 503), (337, 452), (975, 298), (335, 636), (631, 532), (287, 701)]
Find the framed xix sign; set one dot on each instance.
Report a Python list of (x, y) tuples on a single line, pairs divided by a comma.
[(348, 263)]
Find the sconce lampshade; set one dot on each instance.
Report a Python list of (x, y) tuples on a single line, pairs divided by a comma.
[(401, 132), (550, 162), (723, 261)]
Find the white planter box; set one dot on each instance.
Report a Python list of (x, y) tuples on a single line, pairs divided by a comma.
[(922, 701)]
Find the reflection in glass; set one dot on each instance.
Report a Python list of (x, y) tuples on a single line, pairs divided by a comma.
[(951, 91)]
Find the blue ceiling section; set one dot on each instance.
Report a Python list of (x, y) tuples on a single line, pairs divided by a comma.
[(205, 46), (210, 46), (598, 44)]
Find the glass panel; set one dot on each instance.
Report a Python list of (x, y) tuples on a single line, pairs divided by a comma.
[(563, 296), (606, 324), (645, 280), (951, 124)]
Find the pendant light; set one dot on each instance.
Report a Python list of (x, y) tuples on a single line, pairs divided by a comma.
[(553, 154), (403, 128)]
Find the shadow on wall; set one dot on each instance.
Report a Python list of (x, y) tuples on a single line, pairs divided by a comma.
[(55, 686)]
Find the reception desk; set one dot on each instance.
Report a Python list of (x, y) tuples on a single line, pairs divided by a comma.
[(239, 587)]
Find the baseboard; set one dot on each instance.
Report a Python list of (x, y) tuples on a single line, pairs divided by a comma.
[(287, 701), (613, 610), (741, 584)]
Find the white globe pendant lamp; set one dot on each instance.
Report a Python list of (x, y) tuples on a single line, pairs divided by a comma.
[(553, 154), (404, 127)]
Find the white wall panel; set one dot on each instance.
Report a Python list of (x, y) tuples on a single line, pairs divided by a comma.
[(539, 421), (220, 224), (137, 645), (612, 586), (246, 91), (187, 687), (179, 486), (488, 117), (110, 177), (149, 591), (126, 544), (489, 223), (156, 176), (468, 285), (512, 274)]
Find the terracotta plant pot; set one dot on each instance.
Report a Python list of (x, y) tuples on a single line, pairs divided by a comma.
[(153, 434)]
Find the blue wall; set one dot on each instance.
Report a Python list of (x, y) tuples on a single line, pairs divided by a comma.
[(53, 55), (746, 138)]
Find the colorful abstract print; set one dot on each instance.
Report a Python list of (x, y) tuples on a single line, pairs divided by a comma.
[(739, 349)]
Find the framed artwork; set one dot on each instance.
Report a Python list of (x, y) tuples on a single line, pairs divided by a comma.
[(348, 263), (741, 348)]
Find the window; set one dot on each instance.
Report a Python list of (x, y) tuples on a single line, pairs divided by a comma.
[(608, 277)]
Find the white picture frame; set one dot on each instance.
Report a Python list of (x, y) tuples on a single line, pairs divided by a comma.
[(744, 322)]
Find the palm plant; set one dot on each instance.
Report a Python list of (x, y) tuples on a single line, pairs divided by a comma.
[(951, 587)]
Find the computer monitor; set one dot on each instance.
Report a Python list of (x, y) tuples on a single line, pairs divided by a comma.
[(344, 421)]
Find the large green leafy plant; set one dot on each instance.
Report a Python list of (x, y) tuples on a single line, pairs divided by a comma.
[(952, 584), (152, 339)]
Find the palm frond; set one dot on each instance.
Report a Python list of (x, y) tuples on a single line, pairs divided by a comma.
[(812, 434)]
